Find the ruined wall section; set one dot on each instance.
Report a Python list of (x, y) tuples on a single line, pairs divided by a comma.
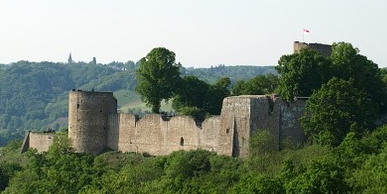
[(26, 143), (180, 133), (113, 131), (153, 135), (209, 136), (127, 131), (240, 117), (41, 141), (274, 121), (291, 130), (88, 119), (147, 134), (323, 49), (233, 115), (143, 135)]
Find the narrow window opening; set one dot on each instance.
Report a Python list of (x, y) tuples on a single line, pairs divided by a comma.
[(182, 141), (77, 105), (227, 130)]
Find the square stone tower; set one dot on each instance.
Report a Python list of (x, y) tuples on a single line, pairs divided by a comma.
[(241, 116)]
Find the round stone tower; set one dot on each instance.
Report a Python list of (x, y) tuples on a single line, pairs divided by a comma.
[(88, 119)]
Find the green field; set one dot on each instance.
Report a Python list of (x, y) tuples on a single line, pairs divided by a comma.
[(127, 99)]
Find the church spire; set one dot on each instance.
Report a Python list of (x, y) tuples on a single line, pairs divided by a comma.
[(70, 60)]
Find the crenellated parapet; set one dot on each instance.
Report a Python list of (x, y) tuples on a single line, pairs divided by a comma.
[(323, 49)]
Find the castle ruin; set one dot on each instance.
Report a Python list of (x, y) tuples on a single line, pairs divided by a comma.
[(324, 49), (95, 126)]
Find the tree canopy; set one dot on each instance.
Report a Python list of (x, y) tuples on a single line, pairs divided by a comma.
[(335, 109), (347, 64), (158, 76), (199, 99), (302, 73), (259, 85)]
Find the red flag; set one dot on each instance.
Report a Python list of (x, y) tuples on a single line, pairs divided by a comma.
[(306, 31)]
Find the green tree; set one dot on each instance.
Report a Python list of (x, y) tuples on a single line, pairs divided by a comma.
[(262, 143), (301, 73), (334, 109), (190, 94), (371, 176), (384, 75), (258, 184), (158, 76), (237, 88), (347, 64), (7, 170), (259, 85), (215, 95), (319, 177)]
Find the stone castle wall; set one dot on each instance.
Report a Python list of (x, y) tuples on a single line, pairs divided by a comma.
[(323, 49), (95, 125), (156, 136), (39, 141), (242, 116)]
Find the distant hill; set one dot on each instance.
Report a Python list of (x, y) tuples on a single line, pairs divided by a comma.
[(33, 96), (238, 72)]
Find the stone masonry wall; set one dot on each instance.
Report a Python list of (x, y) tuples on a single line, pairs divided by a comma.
[(95, 125), (88, 119), (323, 49), (291, 131), (242, 116), (41, 141), (155, 136)]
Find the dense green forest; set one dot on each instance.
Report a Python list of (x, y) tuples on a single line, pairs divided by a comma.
[(33, 96), (357, 165)]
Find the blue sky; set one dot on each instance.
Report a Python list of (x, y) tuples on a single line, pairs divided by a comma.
[(202, 33)]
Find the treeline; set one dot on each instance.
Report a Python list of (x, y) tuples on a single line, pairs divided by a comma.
[(357, 165), (238, 72), (34, 96)]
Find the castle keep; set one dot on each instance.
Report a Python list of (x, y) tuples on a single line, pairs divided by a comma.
[(95, 126), (324, 49)]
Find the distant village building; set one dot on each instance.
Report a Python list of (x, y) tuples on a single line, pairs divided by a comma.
[(70, 59)]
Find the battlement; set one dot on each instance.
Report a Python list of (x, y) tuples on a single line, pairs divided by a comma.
[(323, 49)]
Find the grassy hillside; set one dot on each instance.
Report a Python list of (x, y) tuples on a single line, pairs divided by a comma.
[(129, 101)]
